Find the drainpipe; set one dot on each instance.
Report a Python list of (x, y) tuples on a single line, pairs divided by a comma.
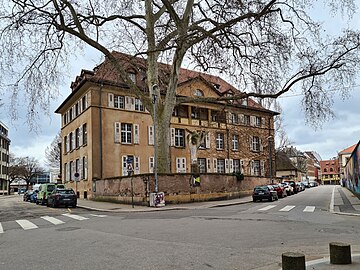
[(101, 130)]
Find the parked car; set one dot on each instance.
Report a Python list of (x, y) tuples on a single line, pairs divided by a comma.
[(299, 187), (33, 196), (293, 185), (280, 190), (313, 184), (27, 195), (289, 190), (66, 197), (44, 192), (264, 192), (21, 191)]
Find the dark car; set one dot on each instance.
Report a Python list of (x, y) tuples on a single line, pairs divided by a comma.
[(264, 192), (280, 190), (66, 197), (27, 195)]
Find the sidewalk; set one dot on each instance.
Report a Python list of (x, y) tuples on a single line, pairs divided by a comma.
[(344, 202), (125, 208)]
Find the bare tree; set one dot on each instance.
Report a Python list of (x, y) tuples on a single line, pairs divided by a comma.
[(28, 168), (268, 46), (52, 153), (14, 170)]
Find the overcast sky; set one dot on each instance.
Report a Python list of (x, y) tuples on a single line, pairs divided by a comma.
[(335, 135)]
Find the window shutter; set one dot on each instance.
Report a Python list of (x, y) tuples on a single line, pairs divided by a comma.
[(241, 118), (73, 139), (262, 168), (227, 168), (207, 140), (261, 146), (72, 176), (81, 168), (67, 172), (252, 167), (68, 144), (129, 103), (136, 134), (85, 168), (137, 165), (117, 132), (263, 123), (124, 165), (172, 137), (111, 100), (86, 101), (81, 141), (208, 162), (231, 165), (252, 120), (251, 143), (215, 165), (151, 135), (151, 164), (242, 166), (183, 165)]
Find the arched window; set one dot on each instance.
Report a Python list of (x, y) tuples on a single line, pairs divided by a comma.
[(199, 93), (325, 170)]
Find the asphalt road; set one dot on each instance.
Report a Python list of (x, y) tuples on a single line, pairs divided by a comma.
[(248, 236)]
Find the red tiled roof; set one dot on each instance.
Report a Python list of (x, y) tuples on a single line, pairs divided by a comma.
[(348, 150), (105, 71)]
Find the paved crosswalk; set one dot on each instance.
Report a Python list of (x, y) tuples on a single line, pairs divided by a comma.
[(30, 225), (288, 208)]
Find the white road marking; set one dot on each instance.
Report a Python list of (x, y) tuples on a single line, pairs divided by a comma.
[(75, 216), (26, 225), (332, 201), (94, 215), (267, 207), (287, 208), (53, 220), (309, 209), (1, 228)]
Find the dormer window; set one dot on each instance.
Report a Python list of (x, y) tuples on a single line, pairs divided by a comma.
[(244, 102), (199, 93), (132, 76), (217, 86)]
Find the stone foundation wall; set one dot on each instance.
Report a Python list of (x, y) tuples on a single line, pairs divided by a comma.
[(177, 188)]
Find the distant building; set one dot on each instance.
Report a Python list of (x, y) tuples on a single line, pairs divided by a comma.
[(4, 158), (344, 157), (330, 172), (313, 166)]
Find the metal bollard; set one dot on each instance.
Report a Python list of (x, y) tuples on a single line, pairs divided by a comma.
[(340, 253), (293, 261)]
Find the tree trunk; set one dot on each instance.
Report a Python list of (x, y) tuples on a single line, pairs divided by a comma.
[(163, 144)]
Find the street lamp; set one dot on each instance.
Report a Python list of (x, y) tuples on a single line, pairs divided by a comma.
[(155, 156), (270, 157)]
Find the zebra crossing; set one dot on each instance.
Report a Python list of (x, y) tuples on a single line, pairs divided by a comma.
[(25, 224), (288, 208)]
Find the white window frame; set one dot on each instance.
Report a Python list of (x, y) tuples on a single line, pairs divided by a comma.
[(179, 137), (181, 165), (220, 165), (117, 132), (119, 102), (219, 141), (126, 133), (235, 142), (151, 164), (151, 135)]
